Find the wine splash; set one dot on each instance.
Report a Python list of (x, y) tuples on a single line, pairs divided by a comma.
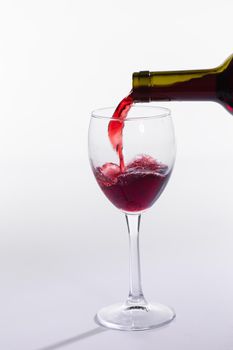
[(137, 187)]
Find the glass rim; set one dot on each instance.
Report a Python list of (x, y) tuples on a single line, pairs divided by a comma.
[(164, 112)]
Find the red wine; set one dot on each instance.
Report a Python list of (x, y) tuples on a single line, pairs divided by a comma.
[(116, 125), (137, 187)]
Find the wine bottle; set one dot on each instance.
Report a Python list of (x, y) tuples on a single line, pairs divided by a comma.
[(214, 84)]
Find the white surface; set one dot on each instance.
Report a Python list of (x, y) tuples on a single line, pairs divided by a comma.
[(63, 248)]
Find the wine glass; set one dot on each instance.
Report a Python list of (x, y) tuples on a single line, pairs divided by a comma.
[(149, 154)]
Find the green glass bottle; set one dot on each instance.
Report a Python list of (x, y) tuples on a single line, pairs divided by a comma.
[(214, 84)]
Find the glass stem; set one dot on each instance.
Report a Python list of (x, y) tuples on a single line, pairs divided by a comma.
[(135, 290)]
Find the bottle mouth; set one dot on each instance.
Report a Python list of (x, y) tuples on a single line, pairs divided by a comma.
[(141, 86), (141, 79)]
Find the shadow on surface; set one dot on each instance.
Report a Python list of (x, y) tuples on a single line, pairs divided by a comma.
[(74, 339), (91, 333)]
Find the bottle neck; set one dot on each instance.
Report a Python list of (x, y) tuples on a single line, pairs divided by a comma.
[(193, 85)]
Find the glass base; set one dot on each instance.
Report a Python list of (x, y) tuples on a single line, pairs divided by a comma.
[(138, 317)]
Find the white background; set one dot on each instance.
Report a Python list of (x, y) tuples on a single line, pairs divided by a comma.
[(63, 247)]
